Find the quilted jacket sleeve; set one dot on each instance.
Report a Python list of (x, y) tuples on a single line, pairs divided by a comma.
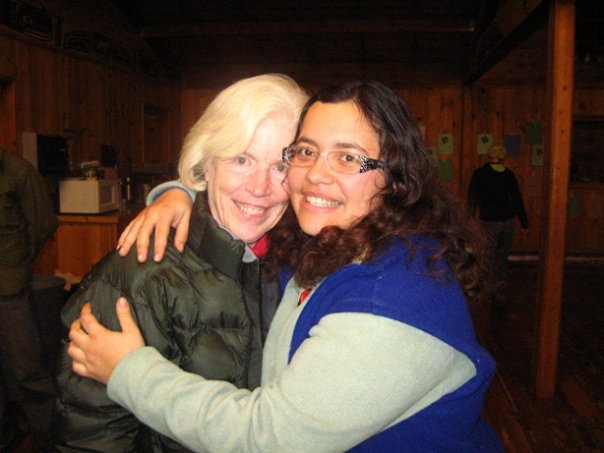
[(85, 418)]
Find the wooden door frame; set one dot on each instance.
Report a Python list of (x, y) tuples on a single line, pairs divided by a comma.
[(8, 125)]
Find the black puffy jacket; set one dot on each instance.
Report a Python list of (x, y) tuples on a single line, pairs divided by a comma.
[(200, 309)]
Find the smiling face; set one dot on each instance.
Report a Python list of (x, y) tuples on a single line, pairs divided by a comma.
[(321, 197), (246, 193)]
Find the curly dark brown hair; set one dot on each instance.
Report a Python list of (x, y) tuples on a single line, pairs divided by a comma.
[(413, 204)]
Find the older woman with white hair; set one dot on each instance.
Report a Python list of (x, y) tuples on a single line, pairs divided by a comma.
[(202, 306)]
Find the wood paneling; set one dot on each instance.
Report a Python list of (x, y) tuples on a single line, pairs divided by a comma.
[(558, 138), (589, 102), (8, 137), (81, 241), (506, 110), (89, 101), (439, 111), (82, 244), (466, 113), (92, 103), (7, 62), (585, 227), (99, 104), (156, 133)]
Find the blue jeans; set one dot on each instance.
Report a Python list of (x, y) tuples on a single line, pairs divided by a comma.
[(500, 236)]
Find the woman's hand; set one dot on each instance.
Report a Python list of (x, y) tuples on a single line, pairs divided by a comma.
[(171, 209), (96, 350)]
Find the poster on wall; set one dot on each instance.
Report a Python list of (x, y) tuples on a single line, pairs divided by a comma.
[(537, 155), (573, 209), (445, 144), (533, 132), (512, 144), (445, 169), (483, 143)]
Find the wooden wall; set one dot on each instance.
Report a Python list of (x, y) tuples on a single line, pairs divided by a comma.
[(94, 103), (438, 111), (503, 111), (466, 112), (56, 93), (445, 109)]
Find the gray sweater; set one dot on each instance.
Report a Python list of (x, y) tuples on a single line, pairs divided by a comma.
[(354, 376)]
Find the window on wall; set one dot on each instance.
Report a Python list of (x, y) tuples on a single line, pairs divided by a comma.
[(156, 166), (156, 134), (7, 115), (587, 150)]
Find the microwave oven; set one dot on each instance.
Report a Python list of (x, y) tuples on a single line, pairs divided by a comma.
[(89, 196)]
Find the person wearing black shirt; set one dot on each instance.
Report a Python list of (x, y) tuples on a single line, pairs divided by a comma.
[(494, 190)]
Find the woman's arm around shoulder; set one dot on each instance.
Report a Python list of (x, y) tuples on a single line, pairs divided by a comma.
[(356, 375), (170, 205)]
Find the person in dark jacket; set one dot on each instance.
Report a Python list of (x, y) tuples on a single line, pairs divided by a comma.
[(27, 222), (201, 305), (494, 190)]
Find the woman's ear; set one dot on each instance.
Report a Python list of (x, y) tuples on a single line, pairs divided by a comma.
[(207, 170)]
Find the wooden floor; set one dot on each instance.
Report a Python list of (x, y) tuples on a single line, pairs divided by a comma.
[(573, 421)]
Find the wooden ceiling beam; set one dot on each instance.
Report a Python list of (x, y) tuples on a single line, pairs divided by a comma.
[(557, 170), (307, 27), (513, 23)]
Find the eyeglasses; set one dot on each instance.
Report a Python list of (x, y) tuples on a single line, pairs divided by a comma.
[(340, 161)]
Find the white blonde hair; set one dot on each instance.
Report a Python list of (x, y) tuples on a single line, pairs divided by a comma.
[(227, 126)]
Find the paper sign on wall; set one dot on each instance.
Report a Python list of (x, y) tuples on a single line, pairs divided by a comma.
[(512, 144), (445, 169), (573, 210), (537, 155), (533, 132), (483, 143), (445, 144)]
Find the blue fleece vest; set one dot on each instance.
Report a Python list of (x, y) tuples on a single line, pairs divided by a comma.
[(391, 286)]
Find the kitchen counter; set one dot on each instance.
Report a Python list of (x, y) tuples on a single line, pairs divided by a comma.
[(82, 240)]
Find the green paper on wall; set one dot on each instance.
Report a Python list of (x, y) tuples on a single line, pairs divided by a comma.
[(445, 144), (533, 132), (445, 169), (483, 143), (573, 208), (537, 156)]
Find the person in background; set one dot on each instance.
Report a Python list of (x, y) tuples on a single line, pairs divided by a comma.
[(201, 305), (494, 190), (27, 222), (372, 347)]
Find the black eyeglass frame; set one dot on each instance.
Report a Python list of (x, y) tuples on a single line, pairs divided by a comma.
[(367, 163)]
